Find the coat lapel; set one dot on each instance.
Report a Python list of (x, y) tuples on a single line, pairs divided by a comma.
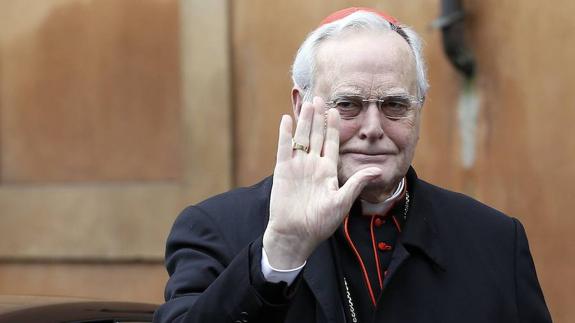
[(420, 230), (321, 277)]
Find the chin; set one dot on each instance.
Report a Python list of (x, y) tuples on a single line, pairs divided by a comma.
[(383, 180)]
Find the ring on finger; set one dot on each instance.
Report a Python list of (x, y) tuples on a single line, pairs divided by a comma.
[(298, 146)]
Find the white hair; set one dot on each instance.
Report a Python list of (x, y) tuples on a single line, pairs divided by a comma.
[(303, 68)]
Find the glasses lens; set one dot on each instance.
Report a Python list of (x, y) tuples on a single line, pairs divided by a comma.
[(393, 107), (396, 107), (348, 107)]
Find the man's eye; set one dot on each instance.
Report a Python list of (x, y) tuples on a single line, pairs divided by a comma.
[(395, 109), (347, 104), (399, 102), (396, 105)]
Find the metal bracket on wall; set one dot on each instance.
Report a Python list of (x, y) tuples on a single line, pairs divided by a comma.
[(452, 25)]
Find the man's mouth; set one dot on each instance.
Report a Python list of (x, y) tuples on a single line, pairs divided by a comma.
[(368, 157), (366, 153)]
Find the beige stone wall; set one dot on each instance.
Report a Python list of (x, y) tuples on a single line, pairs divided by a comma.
[(114, 115)]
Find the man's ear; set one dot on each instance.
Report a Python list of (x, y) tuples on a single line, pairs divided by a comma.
[(296, 101)]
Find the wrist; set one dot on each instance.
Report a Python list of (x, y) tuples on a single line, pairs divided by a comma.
[(274, 275), (285, 252)]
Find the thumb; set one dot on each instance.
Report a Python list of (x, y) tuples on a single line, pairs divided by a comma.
[(355, 184)]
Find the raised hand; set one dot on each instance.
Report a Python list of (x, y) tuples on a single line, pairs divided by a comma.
[(307, 204)]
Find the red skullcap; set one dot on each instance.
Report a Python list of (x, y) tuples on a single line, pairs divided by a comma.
[(348, 11)]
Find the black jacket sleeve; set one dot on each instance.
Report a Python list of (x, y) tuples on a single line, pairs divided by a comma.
[(214, 281), (530, 301)]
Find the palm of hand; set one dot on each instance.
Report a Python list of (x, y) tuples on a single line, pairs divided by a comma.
[(305, 193), (307, 204)]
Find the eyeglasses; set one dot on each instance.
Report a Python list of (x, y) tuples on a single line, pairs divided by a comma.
[(393, 107)]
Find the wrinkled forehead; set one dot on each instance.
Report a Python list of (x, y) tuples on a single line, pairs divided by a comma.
[(379, 61)]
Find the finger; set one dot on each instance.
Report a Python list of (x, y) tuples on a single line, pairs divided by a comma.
[(331, 145), (284, 140), (318, 124), (303, 127), (355, 184)]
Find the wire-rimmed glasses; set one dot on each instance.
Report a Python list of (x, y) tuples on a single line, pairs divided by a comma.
[(392, 106)]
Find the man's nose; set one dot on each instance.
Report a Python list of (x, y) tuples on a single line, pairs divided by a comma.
[(371, 123)]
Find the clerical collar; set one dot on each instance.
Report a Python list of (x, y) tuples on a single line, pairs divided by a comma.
[(381, 208)]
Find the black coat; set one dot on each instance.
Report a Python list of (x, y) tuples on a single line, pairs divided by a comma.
[(457, 261)]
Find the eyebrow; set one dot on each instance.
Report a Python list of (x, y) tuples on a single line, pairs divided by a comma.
[(352, 89), (394, 94)]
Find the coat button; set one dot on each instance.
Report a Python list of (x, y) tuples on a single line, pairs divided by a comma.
[(383, 246), (378, 222)]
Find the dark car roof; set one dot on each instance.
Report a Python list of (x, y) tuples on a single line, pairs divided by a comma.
[(40, 309)]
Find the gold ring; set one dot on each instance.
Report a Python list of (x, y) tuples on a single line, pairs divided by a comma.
[(296, 146)]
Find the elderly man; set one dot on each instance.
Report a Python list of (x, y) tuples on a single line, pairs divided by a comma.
[(345, 231)]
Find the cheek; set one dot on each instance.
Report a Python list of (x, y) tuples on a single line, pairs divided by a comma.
[(403, 133), (400, 137), (346, 130), (405, 138)]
